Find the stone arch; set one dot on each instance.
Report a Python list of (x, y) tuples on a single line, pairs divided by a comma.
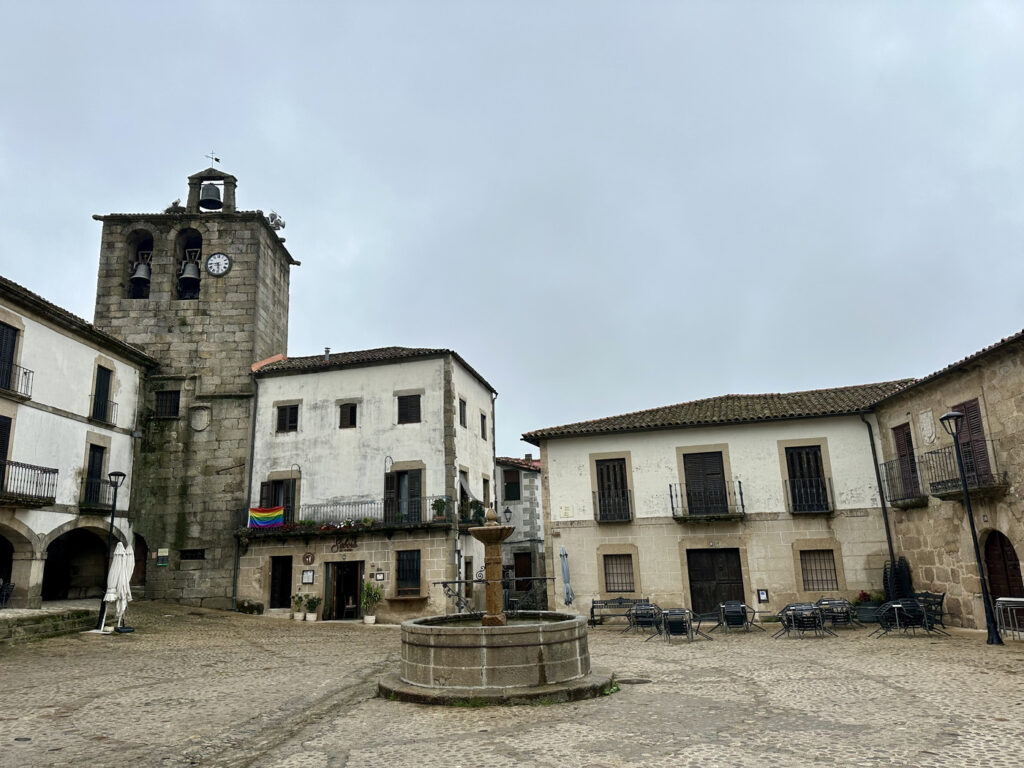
[(138, 265), (188, 251), (19, 552), (1002, 565), (99, 528), (76, 562)]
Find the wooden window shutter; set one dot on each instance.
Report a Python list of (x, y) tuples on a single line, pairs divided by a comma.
[(408, 409), (265, 495)]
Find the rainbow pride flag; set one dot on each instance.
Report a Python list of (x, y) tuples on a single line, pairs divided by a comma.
[(266, 517)]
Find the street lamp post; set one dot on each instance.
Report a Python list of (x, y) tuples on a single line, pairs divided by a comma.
[(115, 479), (952, 422)]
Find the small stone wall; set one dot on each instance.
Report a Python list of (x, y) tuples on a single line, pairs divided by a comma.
[(25, 629)]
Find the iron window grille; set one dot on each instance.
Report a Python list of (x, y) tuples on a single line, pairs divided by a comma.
[(819, 570), (168, 404), (408, 581), (288, 418), (618, 573)]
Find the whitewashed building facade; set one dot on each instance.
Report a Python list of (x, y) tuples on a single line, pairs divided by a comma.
[(376, 456), (68, 402)]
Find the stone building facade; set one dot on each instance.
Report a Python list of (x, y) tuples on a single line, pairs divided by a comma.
[(519, 492), (922, 484), (202, 289), (68, 408), (768, 499)]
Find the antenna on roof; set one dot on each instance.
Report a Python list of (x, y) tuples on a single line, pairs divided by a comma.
[(212, 157)]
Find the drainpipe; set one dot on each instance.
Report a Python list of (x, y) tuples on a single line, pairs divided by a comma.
[(881, 493), (248, 488)]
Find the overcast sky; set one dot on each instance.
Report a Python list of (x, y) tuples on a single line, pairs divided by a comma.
[(603, 206)]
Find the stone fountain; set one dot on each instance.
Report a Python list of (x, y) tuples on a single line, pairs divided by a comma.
[(483, 658)]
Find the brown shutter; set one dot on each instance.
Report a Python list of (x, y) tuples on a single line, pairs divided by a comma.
[(972, 440), (390, 496), (265, 497)]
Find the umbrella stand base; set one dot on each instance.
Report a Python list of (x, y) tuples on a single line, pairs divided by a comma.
[(124, 630)]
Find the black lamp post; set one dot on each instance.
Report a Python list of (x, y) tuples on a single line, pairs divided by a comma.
[(952, 422), (115, 479), (508, 515)]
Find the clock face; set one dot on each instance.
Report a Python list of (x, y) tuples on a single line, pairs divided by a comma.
[(218, 264)]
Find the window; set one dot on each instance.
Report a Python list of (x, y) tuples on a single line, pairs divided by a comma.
[(972, 443), (288, 418), (102, 408), (819, 570), (487, 492), (512, 487), (408, 579), (193, 554), (469, 576), (618, 573), (808, 486), (483, 426), (905, 483), (279, 493), (348, 416), (408, 409), (167, 404), (613, 498), (403, 496), (8, 340), (462, 412), (705, 484), (95, 483)]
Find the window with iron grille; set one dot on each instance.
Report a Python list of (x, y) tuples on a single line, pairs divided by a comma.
[(819, 570), (348, 416), (618, 573), (288, 418), (408, 409), (408, 581), (167, 404), (462, 412)]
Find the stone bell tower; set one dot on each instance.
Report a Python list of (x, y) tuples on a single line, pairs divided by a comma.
[(203, 289)]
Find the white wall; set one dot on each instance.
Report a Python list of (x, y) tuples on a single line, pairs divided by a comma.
[(348, 464), (471, 450)]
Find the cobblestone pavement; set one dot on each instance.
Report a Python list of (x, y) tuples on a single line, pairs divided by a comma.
[(212, 688)]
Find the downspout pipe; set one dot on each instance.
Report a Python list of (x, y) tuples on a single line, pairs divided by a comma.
[(881, 492), (248, 490)]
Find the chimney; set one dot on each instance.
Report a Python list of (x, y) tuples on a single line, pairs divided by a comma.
[(529, 457), (327, 354)]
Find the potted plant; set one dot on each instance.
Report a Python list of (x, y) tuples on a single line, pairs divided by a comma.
[(372, 594), (476, 509), (297, 601), (312, 603), (368, 521), (440, 507), (866, 606)]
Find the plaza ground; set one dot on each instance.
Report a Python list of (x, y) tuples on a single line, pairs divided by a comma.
[(213, 688)]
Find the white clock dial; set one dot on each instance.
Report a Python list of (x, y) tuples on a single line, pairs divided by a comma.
[(218, 264)]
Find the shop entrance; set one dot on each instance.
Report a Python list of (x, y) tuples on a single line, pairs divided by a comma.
[(715, 576), (281, 581), (343, 590)]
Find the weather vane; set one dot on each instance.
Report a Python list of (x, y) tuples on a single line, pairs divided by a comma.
[(212, 157)]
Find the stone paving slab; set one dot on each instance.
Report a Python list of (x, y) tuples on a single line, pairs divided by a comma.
[(211, 688)]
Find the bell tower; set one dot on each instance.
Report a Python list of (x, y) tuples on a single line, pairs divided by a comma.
[(203, 289)]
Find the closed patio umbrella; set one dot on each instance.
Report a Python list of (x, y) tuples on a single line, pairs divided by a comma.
[(119, 590), (568, 597)]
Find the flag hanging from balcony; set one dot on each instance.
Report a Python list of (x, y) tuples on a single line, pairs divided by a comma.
[(266, 517)]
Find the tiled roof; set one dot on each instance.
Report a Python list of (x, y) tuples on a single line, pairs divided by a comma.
[(732, 409), (530, 465), (22, 297), (912, 383), (379, 356)]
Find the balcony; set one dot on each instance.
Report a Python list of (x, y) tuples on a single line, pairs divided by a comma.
[(97, 493), (26, 485), (389, 511), (707, 501), (613, 506), (809, 496), (984, 479), (103, 410), (16, 381), (901, 483)]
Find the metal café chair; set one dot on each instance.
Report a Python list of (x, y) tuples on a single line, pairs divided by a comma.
[(1010, 616), (904, 615), (680, 622), (838, 612), (802, 618), (645, 616), (735, 614)]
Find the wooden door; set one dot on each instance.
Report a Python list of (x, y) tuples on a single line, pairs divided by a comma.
[(281, 581), (715, 576), (705, 484), (1003, 567), (908, 484), (972, 444), (5, 446), (94, 475), (8, 339), (523, 570)]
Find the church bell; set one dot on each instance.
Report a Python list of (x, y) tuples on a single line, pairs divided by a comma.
[(209, 197), (141, 273)]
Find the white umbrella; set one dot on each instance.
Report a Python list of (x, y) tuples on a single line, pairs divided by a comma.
[(568, 595), (119, 590)]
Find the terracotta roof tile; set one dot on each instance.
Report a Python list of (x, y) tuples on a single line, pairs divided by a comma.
[(732, 409), (530, 465)]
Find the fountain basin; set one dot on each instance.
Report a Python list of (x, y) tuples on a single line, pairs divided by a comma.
[(453, 659)]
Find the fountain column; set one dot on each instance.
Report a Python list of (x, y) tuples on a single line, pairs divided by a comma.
[(491, 535)]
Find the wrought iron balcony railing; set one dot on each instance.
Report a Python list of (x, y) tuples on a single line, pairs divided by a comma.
[(388, 511), (14, 378), (27, 484), (901, 481), (103, 410), (613, 506), (97, 493), (809, 495), (706, 500), (980, 469)]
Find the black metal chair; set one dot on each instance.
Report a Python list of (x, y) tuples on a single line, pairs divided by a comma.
[(680, 622), (932, 604), (735, 614), (802, 618), (645, 616), (838, 612), (904, 615)]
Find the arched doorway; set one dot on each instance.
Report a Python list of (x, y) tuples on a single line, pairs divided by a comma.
[(1003, 567), (141, 557), (6, 559), (75, 566)]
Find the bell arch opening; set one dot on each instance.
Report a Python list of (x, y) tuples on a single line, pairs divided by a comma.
[(188, 252), (140, 257)]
